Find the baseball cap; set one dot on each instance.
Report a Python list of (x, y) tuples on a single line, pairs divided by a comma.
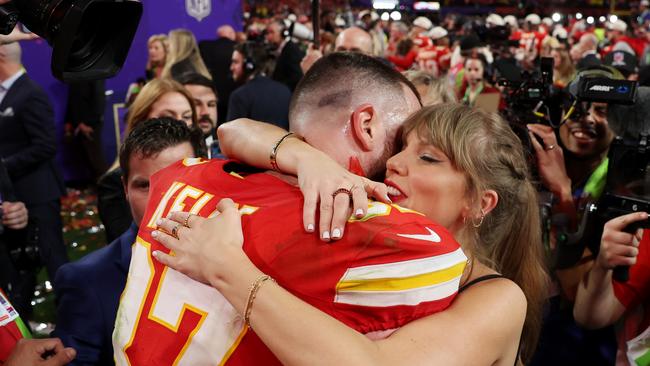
[(533, 19), (423, 22), (437, 33), (623, 61), (495, 20), (511, 20), (618, 25)]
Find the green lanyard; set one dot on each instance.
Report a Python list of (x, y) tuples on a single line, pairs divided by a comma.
[(468, 92)]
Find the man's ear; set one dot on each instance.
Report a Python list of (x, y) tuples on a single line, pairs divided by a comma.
[(125, 186), (363, 122)]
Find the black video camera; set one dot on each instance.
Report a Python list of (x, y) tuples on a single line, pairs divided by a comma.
[(90, 38)]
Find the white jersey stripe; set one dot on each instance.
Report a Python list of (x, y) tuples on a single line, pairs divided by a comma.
[(404, 269), (405, 297)]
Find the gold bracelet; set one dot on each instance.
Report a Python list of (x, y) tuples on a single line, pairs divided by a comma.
[(274, 153), (252, 293)]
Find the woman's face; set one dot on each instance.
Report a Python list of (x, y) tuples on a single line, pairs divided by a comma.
[(156, 52), (556, 53), (588, 135), (422, 178), (174, 105), (473, 71)]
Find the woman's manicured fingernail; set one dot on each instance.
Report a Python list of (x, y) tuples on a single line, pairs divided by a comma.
[(326, 235), (310, 228), (159, 222), (155, 253), (336, 233), (388, 199), (359, 213), (154, 233)]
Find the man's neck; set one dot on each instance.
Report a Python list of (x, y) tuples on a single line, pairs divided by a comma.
[(8, 70)]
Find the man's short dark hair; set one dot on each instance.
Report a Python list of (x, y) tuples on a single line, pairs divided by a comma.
[(334, 78), (154, 135), (193, 78)]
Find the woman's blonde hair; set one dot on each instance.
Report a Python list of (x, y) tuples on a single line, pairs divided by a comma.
[(437, 89), (162, 38), (182, 47), (150, 93), (563, 74), (487, 151)]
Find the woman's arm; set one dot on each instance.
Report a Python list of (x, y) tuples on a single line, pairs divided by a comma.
[(319, 176), (482, 327)]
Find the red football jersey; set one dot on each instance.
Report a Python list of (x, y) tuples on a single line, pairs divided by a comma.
[(391, 267)]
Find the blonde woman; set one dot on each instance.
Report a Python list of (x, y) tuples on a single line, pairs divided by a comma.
[(184, 55), (460, 167), (432, 90), (563, 68), (162, 98), (157, 51)]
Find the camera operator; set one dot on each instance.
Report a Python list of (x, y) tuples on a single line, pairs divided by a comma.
[(572, 165), (259, 98), (602, 301)]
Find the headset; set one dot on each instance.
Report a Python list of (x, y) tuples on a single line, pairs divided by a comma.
[(249, 63)]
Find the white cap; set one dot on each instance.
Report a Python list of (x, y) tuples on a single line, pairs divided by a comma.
[(423, 22), (560, 33), (511, 20), (547, 21), (495, 20), (645, 2), (618, 25), (339, 21), (363, 13), (437, 33), (533, 19)]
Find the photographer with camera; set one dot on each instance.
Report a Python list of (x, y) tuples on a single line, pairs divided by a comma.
[(572, 164)]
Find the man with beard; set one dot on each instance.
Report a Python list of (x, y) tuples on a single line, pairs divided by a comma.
[(205, 104)]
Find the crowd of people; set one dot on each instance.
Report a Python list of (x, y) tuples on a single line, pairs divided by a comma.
[(378, 199)]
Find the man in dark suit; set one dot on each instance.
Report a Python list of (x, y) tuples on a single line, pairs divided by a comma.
[(287, 66), (89, 289), (27, 148), (260, 98), (216, 54)]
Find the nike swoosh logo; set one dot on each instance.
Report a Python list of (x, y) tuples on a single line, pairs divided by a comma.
[(432, 236)]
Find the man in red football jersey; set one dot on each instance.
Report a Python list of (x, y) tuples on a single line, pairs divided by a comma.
[(350, 106)]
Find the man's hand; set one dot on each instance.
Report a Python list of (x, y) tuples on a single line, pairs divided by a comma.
[(312, 56), (618, 248), (14, 215), (42, 352), (550, 160), (86, 130)]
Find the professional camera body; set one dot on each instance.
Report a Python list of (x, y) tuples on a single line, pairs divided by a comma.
[(87, 44)]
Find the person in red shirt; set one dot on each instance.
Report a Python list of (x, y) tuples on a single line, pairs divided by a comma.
[(166, 318)]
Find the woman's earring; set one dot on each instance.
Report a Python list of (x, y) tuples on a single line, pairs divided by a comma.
[(480, 221)]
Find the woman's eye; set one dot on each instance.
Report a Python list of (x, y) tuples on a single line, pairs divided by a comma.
[(429, 159)]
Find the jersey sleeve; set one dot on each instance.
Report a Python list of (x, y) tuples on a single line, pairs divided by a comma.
[(409, 268), (637, 288)]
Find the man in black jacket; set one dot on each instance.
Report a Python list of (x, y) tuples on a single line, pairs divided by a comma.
[(216, 54), (287, 67), (260, 98), (27, 149)]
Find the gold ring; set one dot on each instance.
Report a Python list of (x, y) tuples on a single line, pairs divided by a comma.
[(175, 230), (342, 190), (186, 223)]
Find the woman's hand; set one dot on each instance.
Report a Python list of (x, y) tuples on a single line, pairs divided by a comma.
[(617, 247), (323, 180), (550, 160), (202, 246), (14, 215)]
